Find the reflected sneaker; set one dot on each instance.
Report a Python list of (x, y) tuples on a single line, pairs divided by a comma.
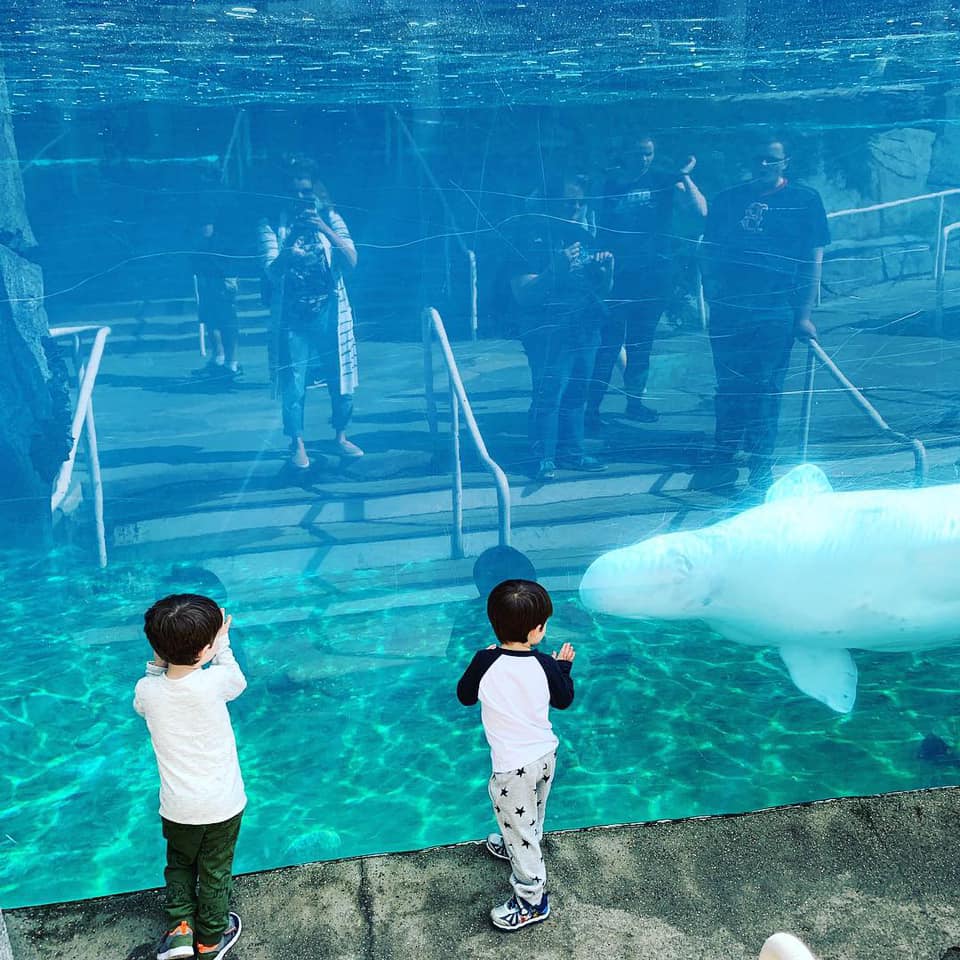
[(497, 847), (517, 913), (298, 458), (584, 464), (547, 470), (177, 942), (211, 369), (230, 936), (640, 411), (348, 449)]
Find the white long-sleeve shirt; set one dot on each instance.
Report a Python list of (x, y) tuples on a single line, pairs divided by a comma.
[(189, 725)]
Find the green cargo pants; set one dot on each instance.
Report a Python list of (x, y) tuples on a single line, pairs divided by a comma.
[(199, 875)]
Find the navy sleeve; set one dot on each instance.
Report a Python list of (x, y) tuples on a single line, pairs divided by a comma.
[(558, 680), (819, 225), (468, 689)]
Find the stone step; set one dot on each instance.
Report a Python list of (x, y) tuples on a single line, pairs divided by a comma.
[(478, 495)]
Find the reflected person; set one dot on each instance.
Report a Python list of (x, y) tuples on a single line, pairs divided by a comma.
[(306, 257), (636, 223), (762, 256), (558, 280)]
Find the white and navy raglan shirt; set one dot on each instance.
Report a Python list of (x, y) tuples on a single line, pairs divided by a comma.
[(516, 689)]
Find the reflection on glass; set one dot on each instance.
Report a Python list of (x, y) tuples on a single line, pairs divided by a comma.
[(647, 241)]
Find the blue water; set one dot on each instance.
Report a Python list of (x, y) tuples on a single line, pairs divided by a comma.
[(351, 740), (137, 122)]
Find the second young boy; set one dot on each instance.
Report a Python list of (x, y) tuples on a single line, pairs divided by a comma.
[(516, 686)]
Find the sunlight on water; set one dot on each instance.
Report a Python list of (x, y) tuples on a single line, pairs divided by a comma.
[(156, 139)]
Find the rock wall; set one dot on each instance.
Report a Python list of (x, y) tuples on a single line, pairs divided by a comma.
[(35, 427)]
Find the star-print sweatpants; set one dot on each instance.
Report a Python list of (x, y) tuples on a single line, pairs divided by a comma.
[(520, 804)]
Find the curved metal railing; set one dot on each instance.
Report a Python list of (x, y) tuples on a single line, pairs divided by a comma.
[(433, 326), (815, 353), (84, 423)]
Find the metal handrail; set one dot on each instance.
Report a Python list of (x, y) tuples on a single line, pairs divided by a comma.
[(887, 204), (816, 352), (433, 324), (83, 420), (941, 270)]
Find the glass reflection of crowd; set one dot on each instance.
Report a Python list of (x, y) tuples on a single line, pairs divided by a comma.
[(590, 274), (590, 285)]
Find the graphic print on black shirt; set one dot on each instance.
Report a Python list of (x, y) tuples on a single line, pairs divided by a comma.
[(637, 216), (756, 241)]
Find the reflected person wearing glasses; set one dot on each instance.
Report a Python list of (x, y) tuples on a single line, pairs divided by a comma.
[(762, 256)]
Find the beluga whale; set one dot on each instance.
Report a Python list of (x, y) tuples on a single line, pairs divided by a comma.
[(812, 571)]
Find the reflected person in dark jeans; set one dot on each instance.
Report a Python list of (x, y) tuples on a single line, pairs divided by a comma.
[(558, 281), (762, 256), (312, 332)]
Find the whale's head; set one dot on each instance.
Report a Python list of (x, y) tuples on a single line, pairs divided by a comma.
[(663, 578)]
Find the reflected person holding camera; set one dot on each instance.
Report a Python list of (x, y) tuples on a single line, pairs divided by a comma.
[(314, 319), (559, 279)]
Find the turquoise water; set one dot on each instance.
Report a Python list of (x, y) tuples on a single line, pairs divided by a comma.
[(352, 741), (137, 122)]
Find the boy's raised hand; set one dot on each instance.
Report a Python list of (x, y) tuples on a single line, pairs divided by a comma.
[(566, 653), (222, 640)]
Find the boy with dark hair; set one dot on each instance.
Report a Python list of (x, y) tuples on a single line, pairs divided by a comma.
[(516, 686), (201, 790)]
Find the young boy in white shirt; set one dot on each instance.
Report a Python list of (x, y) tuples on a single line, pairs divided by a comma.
[(201, 789), (516, 686)]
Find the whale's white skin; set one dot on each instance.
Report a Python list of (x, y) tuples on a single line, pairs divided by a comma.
[(811, 571), (785, 946)]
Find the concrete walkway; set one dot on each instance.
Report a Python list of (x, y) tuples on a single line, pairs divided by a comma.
[(859, 879)]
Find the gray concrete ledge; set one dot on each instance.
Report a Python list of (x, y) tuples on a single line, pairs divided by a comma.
[(858, 879)]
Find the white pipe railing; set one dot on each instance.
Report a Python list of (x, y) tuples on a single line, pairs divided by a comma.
[(940, 195), (816, 353), (940, 272), (433, 325), (472, 261), (83, 422)]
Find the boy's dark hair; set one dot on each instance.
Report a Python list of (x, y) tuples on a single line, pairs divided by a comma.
[(181, 625), (515, 607)]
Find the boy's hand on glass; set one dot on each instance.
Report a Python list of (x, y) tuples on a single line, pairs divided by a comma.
[(566, 653), (222, 639)]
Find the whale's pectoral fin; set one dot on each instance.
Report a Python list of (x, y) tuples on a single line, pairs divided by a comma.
[(829, 676), (807, 480)]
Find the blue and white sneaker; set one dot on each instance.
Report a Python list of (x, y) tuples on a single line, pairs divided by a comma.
[(177, 943), (231, 935), (495, 844), (517, 913)]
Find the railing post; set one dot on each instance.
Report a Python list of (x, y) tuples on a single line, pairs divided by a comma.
[(806, 406), (96, 481), (428, 384), (456, 534), (940, 239), (433, 323), (701, 297), (917, 447), (941, 274), (472, 260)]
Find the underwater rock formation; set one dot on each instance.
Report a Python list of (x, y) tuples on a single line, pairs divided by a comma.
[(35, 428)]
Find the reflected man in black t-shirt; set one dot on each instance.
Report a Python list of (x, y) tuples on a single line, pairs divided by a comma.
[(558, 280), (762, 256), (636, 224)]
